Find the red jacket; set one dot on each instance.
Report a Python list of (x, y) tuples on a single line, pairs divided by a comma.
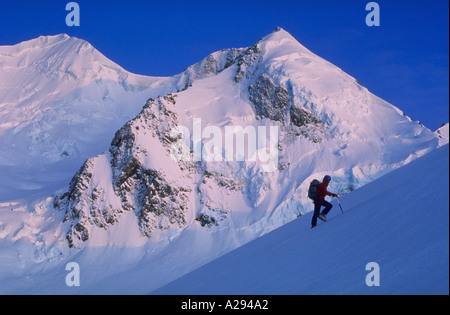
[(322, 191)]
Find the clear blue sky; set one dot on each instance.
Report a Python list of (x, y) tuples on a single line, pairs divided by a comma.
[(404, 61)]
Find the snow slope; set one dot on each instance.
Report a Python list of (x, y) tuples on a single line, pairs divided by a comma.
[(400, 221)]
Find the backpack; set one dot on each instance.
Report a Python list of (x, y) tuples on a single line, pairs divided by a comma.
[(312, 190)]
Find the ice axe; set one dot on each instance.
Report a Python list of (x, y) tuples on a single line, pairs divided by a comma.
[(340, 205)]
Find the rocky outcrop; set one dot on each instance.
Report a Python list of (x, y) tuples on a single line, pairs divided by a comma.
[(157, 204), (92, 201), (87, 203), (270, 100), (301, 117), (273, 101), (247, 63), (211, 65)]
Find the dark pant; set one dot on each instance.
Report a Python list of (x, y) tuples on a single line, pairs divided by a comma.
[(318, 203)]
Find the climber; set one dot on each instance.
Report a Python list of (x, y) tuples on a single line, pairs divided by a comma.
[(319, 201)]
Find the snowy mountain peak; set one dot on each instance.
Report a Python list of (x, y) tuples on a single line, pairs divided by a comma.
[(62, 58), (281, 44), (49, 40), (279, 34), (40, 42), (42, 46)]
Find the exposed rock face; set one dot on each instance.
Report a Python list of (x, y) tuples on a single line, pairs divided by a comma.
[(86, 203), (211, 65), (274, 102), (271, 101), (301, 117), (247, 62), (132, 186), (157, 204)]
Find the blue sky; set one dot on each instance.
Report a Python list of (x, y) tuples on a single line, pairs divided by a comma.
[(404, 61)]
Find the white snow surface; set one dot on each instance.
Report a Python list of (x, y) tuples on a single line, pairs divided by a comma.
[(394, 221), (442, 133), (61, 101)]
